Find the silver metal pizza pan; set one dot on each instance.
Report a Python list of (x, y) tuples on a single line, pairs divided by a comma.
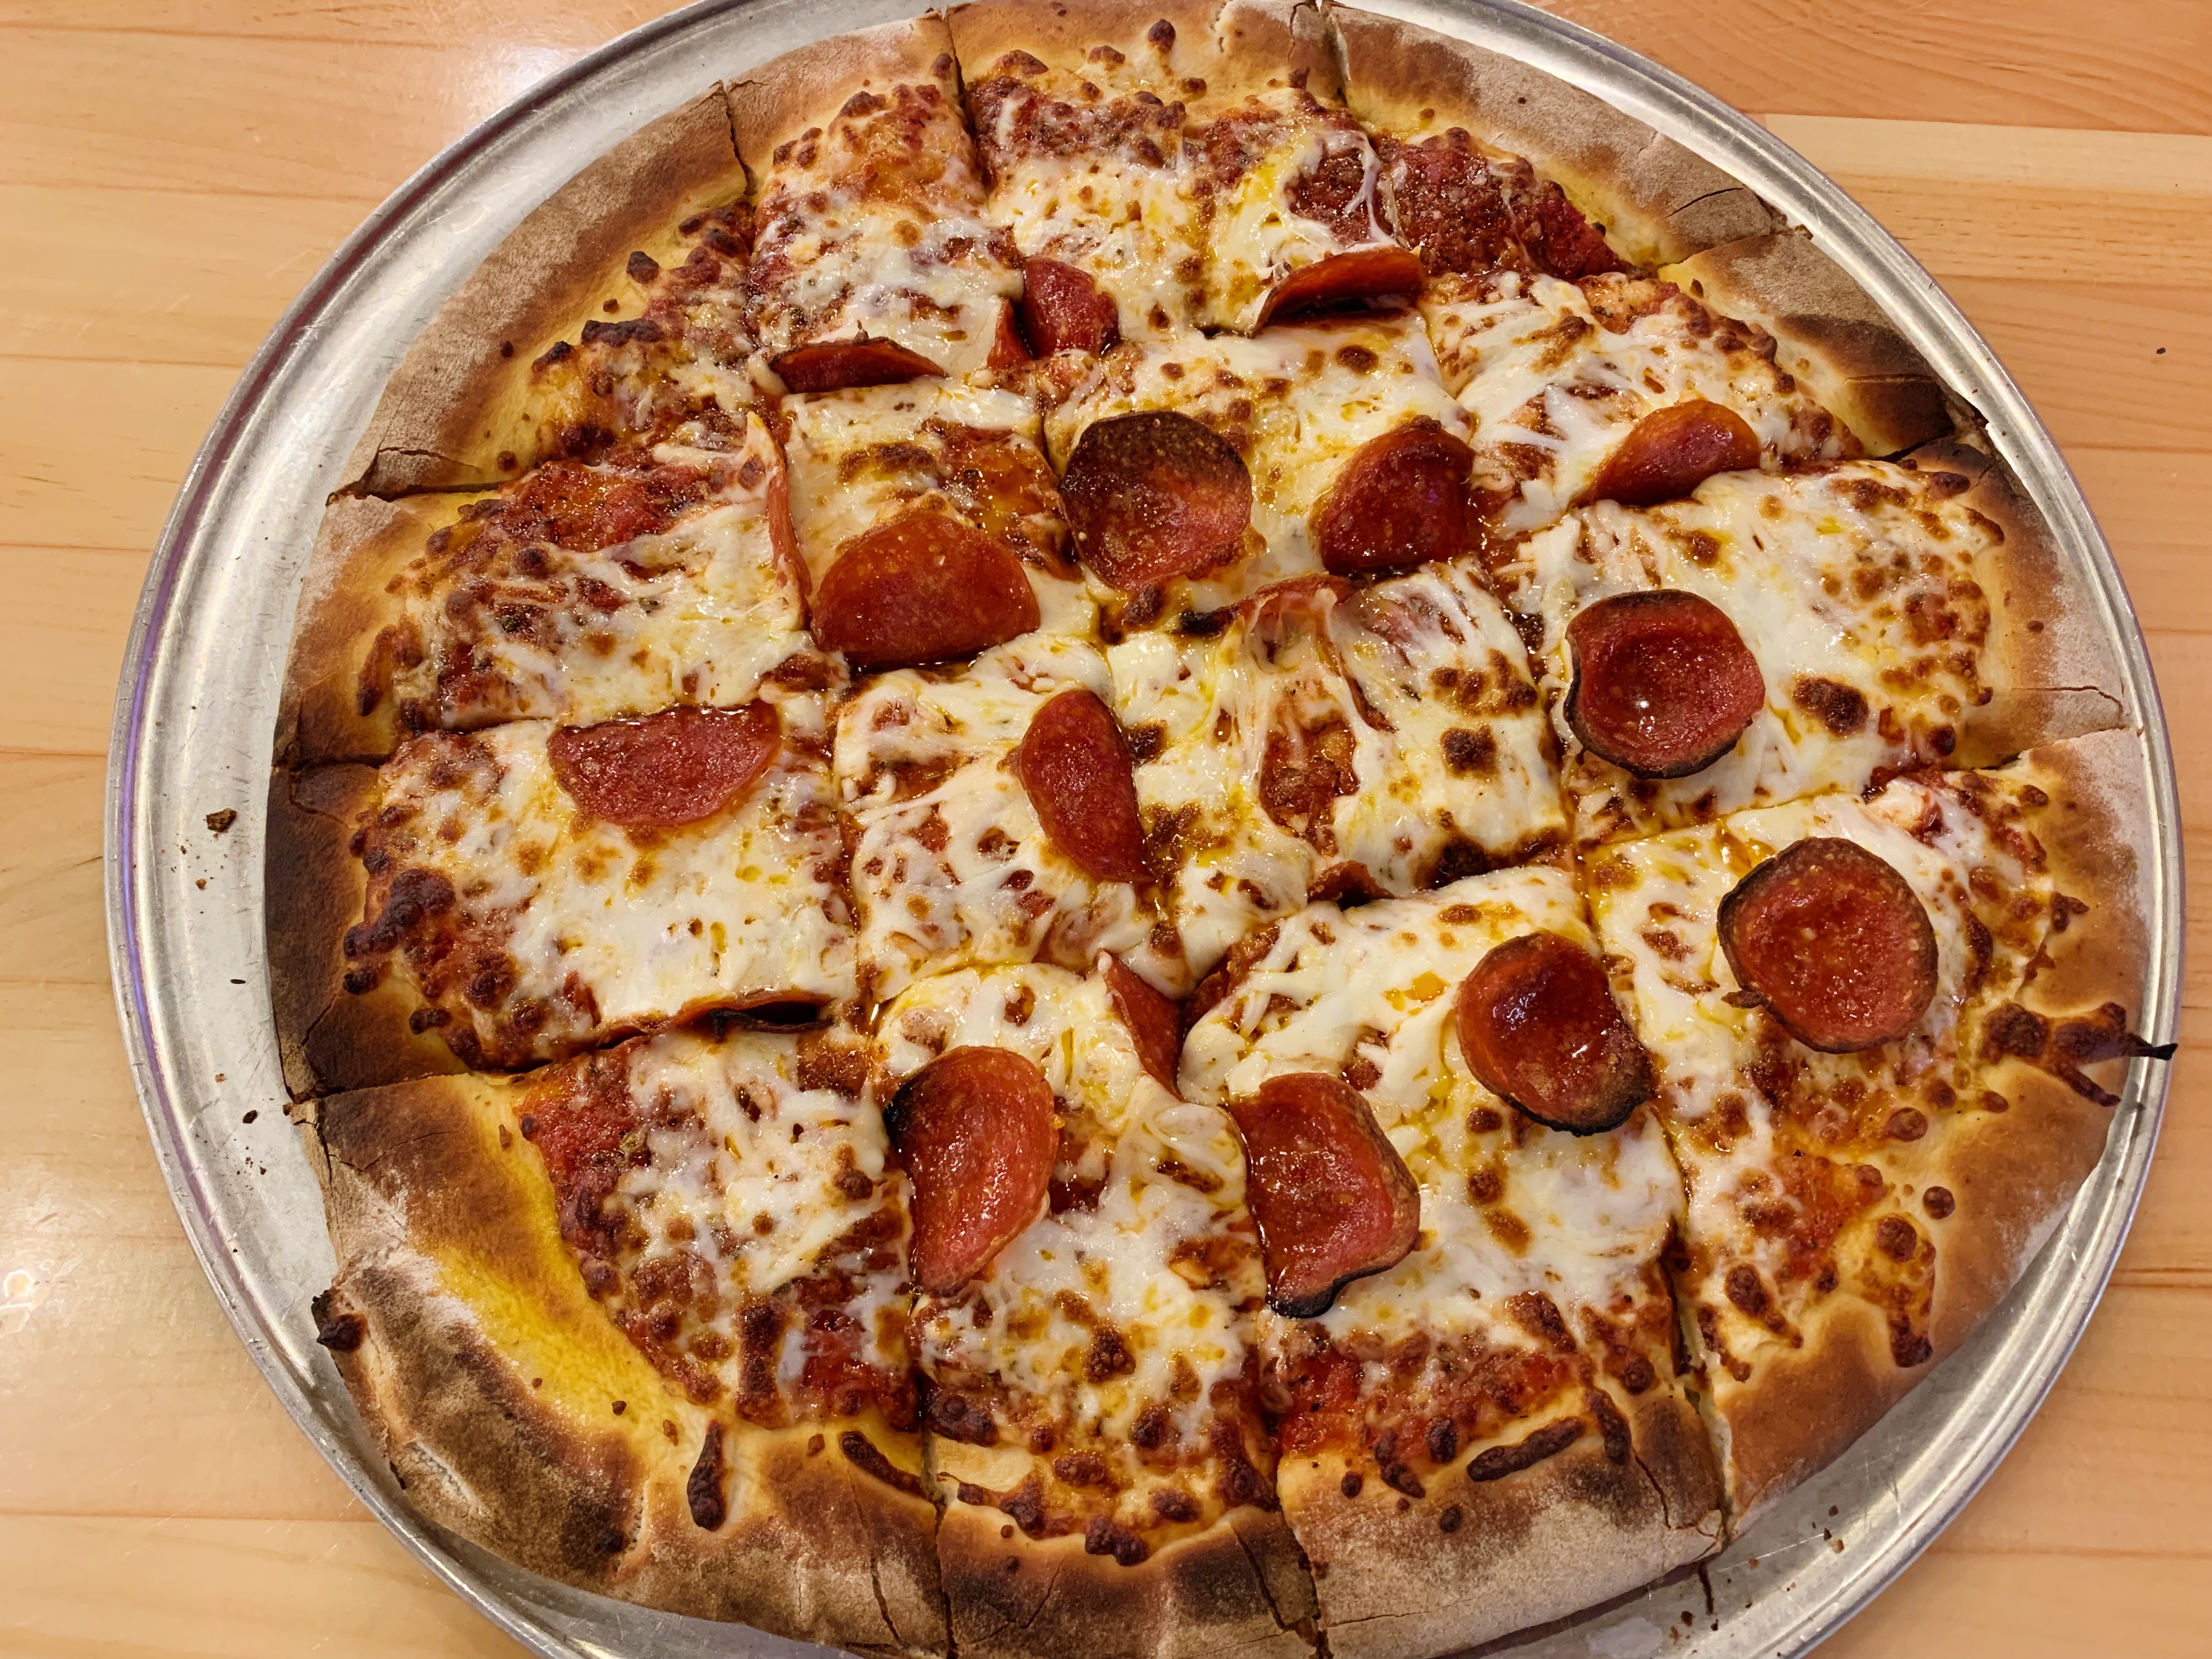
[(197, 707)]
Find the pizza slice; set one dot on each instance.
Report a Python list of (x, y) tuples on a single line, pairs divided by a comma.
[(1196, 471), (1778, 635), (1084, 1273), (1324, 739), (1616, 388), (873, 262), (1887, 1033), (577, 593), (1081, 139), (521, 893), (928, 522), (992, 818), (638, 1322), (1463, 1208), (614, 312)]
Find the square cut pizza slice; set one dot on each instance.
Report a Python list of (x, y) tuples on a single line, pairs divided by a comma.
[(577, 593), (992, 818), (928, 522), (873, 261), (1196, 471), (1616, 388), (1884, 1031), (1085, 1273), (1483, 1425), (1325, 739), (638, 1322), (529, 890), (1778, 635)]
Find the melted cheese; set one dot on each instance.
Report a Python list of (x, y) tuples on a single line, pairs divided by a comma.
[(740, 907), (1296, 404), (1371, 992), (950, 865), (874, 227), (1415, 685), (1026, 1324), (1656, 904), (860, 458), (1553, 374), (697, 614), (1864, 576)]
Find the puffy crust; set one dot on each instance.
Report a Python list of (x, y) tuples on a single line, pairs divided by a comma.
[(1236, 1586), (2049, 660), (1269, 42), (489, 1379), (805, 87), (985, 31), (314, 888), (457, 400), (1549, 1541), (364, 542), (1827, 333), (1655, 201), (2092, 834)]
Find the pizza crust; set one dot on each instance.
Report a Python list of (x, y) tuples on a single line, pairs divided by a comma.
[(1547, 1542), (1827, 332), (1655, 201), (1236, 1586), (1062, 35), (315, 891), (805, 87), (2048, 657), (457, 405), (489, 1380), (364, 543)]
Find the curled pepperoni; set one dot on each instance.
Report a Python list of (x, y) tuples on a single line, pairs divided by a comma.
[(1008, 350), (834, 365), (1367, 274), (1663, 684), (921, 587), (671, 768), (1075, 764), (1062, 310), (975, 1128), (1154, 494), (1539, 1026), (1333, 1200), (1400, 501), (1671, 450), (1835, 942), (1154, 1021)]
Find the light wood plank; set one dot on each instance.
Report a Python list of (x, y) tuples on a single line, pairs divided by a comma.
[(53, 916), (2028, 1605), (59, 697), (2025, 202), (226, 1590)]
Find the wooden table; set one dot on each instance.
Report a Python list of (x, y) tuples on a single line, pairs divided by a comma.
[(171, 173)]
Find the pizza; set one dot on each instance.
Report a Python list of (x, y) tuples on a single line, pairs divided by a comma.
[(1133, 829)]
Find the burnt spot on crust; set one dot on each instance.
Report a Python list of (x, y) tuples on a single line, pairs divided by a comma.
[(2062, 1047), (1498, 1462), (703, 1490), (338, 1329), (868, 1457)]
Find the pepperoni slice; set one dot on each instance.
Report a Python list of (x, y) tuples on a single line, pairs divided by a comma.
[(1008, 350), (1836, 944), (1367, 274), (1400, 501), (1075, 764), (1333, 1200), (975, 1128), (671, 768), (835, 365), (921, 587), (1154, 494), (1663, 684), (1152, 1019), (1062, 310), (1671, 450), (1538, 1024)]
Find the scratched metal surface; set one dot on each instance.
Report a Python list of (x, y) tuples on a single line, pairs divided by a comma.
[(197, 707)]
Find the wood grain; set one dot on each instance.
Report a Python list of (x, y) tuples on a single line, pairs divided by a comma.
[(172, 171)]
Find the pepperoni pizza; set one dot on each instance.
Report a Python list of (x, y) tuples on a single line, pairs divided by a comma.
[(1130, 829)]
